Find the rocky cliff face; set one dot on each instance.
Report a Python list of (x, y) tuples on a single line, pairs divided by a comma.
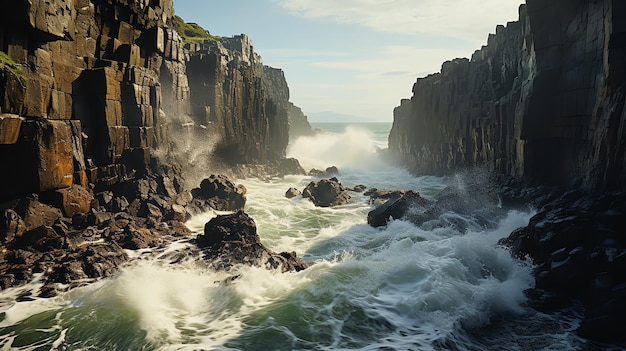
[(543, 101), (92, 106), (98, 88), (101, 109), (276, 84), (242, 103)]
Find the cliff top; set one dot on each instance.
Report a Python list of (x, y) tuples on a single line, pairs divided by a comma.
[(192, 32)]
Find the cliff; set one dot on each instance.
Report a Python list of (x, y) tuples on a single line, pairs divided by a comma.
[(93, 90), (243, 104), (542, 101), (543, 104), (107, 121), (276, 84), (92, 107)]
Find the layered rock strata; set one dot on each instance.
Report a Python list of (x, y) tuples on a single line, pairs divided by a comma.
[(243, 104), (543, 101), (95, 103)]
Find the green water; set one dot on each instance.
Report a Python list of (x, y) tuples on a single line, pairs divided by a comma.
[(400, 287)]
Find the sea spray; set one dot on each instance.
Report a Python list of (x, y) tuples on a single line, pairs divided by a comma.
[(402, 287), (354, 147)]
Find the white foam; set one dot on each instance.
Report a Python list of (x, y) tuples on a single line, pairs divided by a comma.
[(398, 286), (355, 147)]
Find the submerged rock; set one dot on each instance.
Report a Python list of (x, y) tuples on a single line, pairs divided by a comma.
[(232, 239), (327, 193)]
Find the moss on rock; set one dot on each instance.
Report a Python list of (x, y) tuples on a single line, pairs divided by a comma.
[(191, 31)]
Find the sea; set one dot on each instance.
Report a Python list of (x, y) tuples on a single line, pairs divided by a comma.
[(445, 284)]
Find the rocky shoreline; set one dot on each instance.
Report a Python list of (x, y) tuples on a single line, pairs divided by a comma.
[(104, 107), (73, 238), (575, 240)]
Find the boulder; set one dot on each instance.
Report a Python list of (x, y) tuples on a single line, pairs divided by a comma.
[(327, 193), (330, 171), (71, 201), (221, 194), (233, 239), (289, 166), (397, 206), (315, 172), (221, 230), (360, 188), (11, 225), (35, 213), (292, 192), (43, 238)]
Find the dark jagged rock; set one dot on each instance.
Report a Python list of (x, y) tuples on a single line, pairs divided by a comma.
[(34, 213), (326, 193), (467, 196), (11, 225), (71, 201), (576, 242), (233, 239), (332, 170), (218, 193), (397, 205), (315, 172), (68, 250), (358, 188)]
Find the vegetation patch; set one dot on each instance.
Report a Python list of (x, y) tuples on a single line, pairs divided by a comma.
[(7, 64), (192, 31)]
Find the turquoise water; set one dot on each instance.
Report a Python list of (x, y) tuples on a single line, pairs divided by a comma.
[(400, 287)]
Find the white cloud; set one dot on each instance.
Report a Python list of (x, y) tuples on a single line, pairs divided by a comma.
[(365, 85), (467, 19), (394, 59)]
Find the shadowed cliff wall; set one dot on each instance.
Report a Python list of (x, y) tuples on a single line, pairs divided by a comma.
[(543, 101)]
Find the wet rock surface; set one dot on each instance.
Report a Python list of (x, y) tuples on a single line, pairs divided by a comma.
[(74, 250), (232, 239), (219, 193), (327, 193), (578, 244), (397, 205)]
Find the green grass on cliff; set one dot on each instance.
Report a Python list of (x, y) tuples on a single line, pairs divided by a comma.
[(9, 65), (192, 31)]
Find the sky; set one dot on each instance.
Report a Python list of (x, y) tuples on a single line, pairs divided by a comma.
[(354, 59)]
